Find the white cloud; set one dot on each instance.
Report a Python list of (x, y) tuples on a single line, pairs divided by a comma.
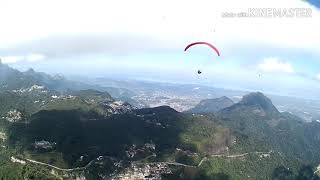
[(318, 76), (273, 64), (17, 59), (35, 57), (168, 22), (11, 59)]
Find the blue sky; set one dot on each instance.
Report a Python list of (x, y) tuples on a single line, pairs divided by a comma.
[(314, 2), (146, 40)]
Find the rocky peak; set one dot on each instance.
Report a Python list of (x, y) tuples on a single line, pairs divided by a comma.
[(260, 100)]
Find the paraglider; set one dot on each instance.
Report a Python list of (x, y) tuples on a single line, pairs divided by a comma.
[(204, 43)]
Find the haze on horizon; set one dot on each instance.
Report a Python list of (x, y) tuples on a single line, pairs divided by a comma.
[(145, 40)]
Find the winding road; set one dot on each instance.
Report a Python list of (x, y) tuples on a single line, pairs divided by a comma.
[(55, 167), (240, 155), (169, 163)]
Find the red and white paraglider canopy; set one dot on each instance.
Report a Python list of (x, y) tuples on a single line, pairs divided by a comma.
[(205, 43)]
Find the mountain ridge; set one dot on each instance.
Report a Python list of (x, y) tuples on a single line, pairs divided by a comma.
[(256, 103), (211, 105)]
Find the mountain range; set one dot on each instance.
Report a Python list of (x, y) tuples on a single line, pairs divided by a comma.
[(212, 105), (53, 128)]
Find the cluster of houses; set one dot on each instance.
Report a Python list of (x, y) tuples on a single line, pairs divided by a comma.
[(14, 116), (144, 171), (43, 145)]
